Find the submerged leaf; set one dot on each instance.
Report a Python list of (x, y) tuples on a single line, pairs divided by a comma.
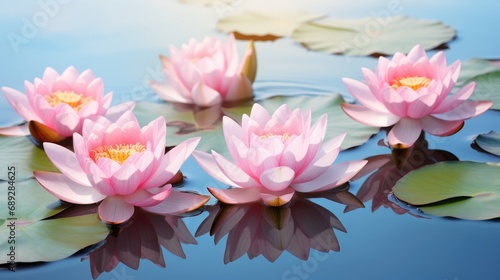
[(264, 25), (489, 142), (20, 153), (370, 36), (486, 74), (465, 190)]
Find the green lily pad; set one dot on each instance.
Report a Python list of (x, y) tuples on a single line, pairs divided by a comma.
[(34, 239), (213, 137), (372, 36), (24, 156), (489, 142), (486, 74), (465, 190), (264, 25)]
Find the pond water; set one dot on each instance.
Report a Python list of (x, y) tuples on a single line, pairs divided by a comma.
[(121, 42)]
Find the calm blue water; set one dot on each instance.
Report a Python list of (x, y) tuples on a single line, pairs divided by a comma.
[(121, 43)]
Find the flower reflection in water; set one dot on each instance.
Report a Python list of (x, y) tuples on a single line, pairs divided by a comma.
[(205, 118), (257, 229), (141, 238), (389, 168)]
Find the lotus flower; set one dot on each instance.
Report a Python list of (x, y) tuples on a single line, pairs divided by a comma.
[(56, 105), (412, 93), (122, 166), (207, 73), (256, 229), (276, 156)]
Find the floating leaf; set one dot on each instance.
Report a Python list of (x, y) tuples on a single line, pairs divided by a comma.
[(372, 36), (465, 190), (24, 156), (489, 142), (182, 125), (264, 25), (486, 74), (34, 239)]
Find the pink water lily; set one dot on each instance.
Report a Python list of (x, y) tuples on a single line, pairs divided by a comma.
[(56, 105), (121, 166), (276, 156), (207, 73), (411, 92)]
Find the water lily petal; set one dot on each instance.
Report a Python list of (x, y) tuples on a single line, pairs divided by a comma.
[(207, 163), (369, 117), (178, 203), (277, 198), (114, 210), (441, 127), (277, 178), (148, 198), (364, 94), (236, 195), (336, 175), (66, 189), (456, 99), (65, 160), (466, 110), (404, 133), (18, 130), (234, 173), (205, 96)]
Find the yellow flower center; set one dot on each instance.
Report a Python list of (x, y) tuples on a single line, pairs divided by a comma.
[(411, 82), (285, 136), (75, 100), (118, 152)]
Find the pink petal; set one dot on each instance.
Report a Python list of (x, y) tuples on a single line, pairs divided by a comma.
[(169, 93), (66, 161), (20, 104), (234, 173), (171, 163), (207, 162), (336, 175), (404, 133), (239, 89), (126, 179), (205, 96), (18, 130), (422, 106), (259, 114), (416, 53), (236, 195), (277, 178), (148, 198), (178, 203), (364, 95), (49, 76), (277, 198), (116, 111), (67, 122), (368, 117), (456, 99), (394, 101), (441, 127), (68, 190), (114, 210), (466, 110)]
